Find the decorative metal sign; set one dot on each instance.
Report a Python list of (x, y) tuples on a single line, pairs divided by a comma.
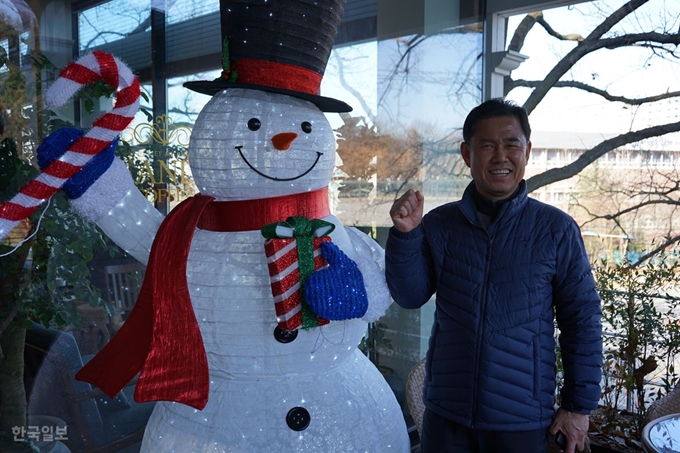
[(163, 131)]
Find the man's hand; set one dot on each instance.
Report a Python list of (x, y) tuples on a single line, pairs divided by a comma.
[(573, 426), (407, 211)]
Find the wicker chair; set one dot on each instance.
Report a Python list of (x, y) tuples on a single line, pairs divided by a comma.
[(414, 394), (668, 404)]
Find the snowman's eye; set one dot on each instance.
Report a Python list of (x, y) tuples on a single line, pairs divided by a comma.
[(254, 124), (306, 127)]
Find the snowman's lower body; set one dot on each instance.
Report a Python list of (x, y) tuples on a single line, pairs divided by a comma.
[(349, 408)]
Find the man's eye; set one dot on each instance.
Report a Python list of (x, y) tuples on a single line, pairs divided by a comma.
[(306, 127), (254, 124)]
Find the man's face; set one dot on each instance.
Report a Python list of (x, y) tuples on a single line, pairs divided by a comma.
[(497, 155)]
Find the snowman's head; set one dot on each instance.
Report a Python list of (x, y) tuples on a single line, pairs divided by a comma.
[(249, 144)]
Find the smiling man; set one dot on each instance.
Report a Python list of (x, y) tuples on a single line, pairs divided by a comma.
[(503, 267)]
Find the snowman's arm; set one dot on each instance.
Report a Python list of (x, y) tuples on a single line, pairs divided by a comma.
[(115, 204), (370, 258)]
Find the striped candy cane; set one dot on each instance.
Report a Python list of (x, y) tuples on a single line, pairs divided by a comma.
[(90, 68)]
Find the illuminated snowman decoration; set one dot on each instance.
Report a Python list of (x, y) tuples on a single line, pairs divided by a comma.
[(264, 156), (317, 392)]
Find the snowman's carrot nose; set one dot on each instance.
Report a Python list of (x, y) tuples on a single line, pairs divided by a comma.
[(283, 140)]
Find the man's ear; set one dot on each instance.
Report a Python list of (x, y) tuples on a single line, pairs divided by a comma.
[(465, 152), (528, 151)]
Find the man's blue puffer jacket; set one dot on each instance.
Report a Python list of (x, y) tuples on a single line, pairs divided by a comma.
[(491, 358)]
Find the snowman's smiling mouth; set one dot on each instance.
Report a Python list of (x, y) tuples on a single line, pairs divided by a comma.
[(240, 151)]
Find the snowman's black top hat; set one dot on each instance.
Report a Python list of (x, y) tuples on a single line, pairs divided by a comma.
[(279, 46)]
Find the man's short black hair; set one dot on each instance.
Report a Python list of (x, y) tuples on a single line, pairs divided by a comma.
[(494, 108)]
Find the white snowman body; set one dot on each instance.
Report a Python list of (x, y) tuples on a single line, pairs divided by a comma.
[(317, 393)]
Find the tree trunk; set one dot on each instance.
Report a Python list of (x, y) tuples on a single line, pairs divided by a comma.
[(12, 392)]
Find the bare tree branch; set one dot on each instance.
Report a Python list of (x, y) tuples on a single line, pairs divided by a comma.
[(142, 27), (569, 37), (637, 39), (664, 246), (522, 30), (603, 93), (582, 49), (588, 157), (350, 88), (638, 206), (404, 59), (528, 22)]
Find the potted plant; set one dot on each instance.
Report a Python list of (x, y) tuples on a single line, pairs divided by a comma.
[(641, 340)]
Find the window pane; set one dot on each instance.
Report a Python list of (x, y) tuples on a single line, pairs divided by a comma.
[(410, 95), (112, 21)]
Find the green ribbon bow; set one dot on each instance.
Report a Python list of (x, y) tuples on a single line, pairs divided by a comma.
[(304, 231)]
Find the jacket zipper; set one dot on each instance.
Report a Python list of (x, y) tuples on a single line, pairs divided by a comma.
[(480, 329)]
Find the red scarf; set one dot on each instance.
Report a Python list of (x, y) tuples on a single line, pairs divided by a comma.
[(161, 337)]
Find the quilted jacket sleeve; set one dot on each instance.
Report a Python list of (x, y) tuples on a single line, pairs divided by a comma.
[(578, 312), (408, 267)]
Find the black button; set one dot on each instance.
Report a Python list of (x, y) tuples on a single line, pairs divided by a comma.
[(285, 336), (298, 418)]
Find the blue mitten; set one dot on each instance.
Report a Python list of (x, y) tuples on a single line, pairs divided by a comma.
[(55, 145), (336, 292)]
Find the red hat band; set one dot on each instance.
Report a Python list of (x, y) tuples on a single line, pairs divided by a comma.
[(274, 75)]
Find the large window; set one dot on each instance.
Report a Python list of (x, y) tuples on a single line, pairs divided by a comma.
[(411, 82)]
